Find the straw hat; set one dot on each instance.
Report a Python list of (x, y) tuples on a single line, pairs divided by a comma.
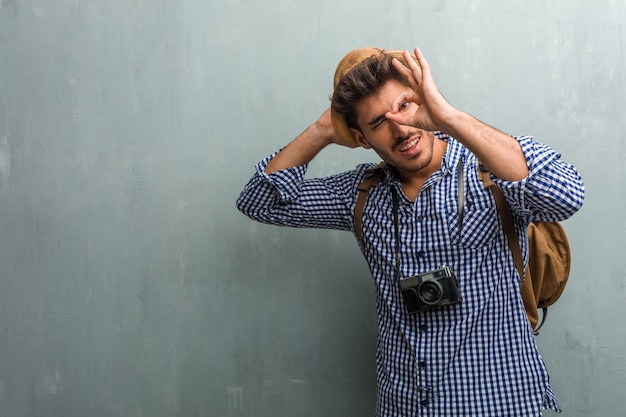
[(347, 63)]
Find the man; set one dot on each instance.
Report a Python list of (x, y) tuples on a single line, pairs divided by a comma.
[(474, 353)]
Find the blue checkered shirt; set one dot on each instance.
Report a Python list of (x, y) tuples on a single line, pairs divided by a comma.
[(476, 358)]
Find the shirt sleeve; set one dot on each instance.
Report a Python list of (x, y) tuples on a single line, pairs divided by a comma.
[(553, 190), (285, 198)]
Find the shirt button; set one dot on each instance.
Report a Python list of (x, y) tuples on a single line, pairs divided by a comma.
[(419, 218), (420, 253), (423, 327), (423, 364), (424, 403)]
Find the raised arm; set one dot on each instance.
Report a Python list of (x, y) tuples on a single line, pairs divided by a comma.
[(500, 153), (306, 146)]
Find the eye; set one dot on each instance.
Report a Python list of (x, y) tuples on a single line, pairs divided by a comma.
[(377, 122), (403, 106)]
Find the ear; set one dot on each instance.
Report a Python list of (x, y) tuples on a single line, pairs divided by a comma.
[(360, 139)]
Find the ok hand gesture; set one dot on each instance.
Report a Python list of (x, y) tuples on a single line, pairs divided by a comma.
[(433, 112)]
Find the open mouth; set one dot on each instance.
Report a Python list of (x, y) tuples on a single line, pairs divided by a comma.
[(408, 145)]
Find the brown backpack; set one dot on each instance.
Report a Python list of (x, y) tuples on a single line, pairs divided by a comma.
[(549, 257)]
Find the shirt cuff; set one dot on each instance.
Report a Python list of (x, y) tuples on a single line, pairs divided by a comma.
[(287, 182), (538, 157)]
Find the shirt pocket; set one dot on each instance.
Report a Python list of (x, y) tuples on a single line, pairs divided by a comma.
[(479, 225)]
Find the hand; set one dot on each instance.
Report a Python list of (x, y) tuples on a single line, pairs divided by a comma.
[(499, 152), (325, 129), (433, 112)]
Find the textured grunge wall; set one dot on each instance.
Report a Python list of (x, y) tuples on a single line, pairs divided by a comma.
[(130, 285)]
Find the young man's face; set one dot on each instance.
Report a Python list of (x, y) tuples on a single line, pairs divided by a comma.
[(405, 147)]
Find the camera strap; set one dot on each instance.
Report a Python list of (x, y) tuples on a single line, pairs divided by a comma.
[(460, 207), (396, 228), (461, 195)]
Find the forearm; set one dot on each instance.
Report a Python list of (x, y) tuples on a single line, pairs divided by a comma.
[(301, 150), (553, 190), (500, 153), (284, 198)]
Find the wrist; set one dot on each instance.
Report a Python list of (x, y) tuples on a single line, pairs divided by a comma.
[(455, 122), (320, 134)]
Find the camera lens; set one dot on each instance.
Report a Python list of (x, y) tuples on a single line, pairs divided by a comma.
[(430, 292)]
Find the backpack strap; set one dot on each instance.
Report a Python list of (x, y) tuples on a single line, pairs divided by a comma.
[(372, 175), (504, 211), (505, 216)]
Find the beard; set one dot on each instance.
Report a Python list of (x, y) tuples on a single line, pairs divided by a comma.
[(414, 163)]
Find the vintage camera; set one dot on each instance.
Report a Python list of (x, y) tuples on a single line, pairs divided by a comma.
[(430, 290)]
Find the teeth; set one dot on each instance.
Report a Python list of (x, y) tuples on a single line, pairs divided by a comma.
[(409, 145)]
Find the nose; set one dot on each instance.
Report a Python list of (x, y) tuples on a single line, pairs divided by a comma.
[(398, 130)]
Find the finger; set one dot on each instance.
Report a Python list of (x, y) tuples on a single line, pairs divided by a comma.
[(402, 98), (423, 63), (404, 72), (414, 66), (395, 105), (400, 67), (404, 118), (396, 117), (400, 118), (420, 57)]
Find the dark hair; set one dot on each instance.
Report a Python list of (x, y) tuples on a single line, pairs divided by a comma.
[(363, 80)]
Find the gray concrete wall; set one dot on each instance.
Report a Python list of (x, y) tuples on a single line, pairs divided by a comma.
[(129, 284)]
